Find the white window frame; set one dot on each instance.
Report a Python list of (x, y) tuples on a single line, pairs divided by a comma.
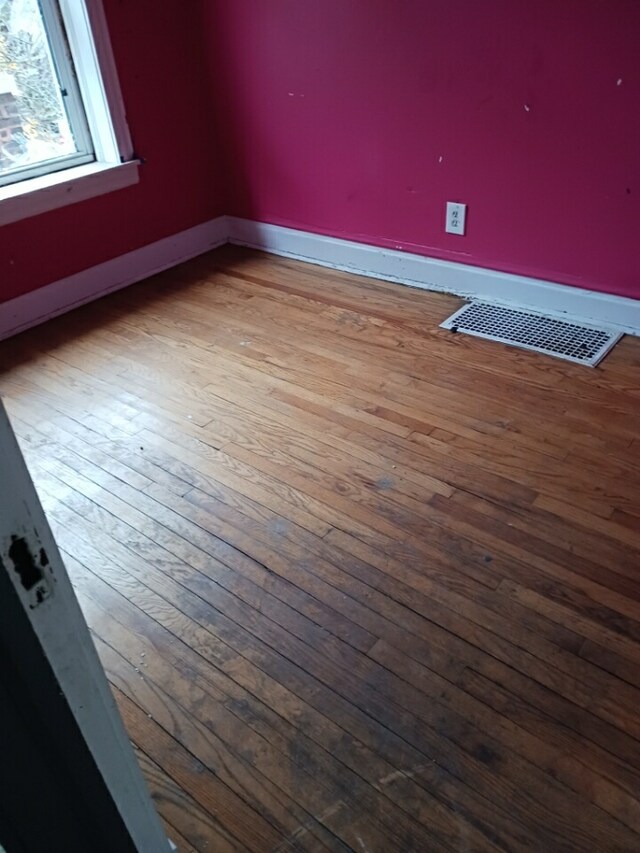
[(115, 165), (62, 66)]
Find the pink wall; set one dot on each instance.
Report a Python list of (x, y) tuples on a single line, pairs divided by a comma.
[(333, 116), (160, 54), (360, 118)]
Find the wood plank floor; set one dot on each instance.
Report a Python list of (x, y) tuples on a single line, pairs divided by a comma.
[(358, 583)]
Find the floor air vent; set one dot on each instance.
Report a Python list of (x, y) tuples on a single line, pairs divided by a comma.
[(561, 338)]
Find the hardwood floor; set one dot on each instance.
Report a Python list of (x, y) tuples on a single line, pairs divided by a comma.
[(357, 582)]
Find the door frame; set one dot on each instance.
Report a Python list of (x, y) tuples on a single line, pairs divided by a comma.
[(44, 602)]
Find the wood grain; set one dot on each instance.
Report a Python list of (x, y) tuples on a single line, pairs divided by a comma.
[(358, 583)]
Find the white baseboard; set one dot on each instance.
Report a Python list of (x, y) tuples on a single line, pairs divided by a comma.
[(67, 293), (616, 312), (603, 309)]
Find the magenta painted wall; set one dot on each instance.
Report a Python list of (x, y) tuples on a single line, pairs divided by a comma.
[(160, 52), (360, 118)]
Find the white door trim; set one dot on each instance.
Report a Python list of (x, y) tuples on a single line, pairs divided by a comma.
[(52, 609)]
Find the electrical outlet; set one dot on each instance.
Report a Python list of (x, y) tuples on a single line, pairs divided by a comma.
[(456, 216)]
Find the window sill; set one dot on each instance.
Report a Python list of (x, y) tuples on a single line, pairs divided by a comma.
[(38, 195)]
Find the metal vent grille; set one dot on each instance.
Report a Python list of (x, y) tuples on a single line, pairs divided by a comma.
[(561, 338)]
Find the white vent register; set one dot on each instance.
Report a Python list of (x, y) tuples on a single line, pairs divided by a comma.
[(577, 342)]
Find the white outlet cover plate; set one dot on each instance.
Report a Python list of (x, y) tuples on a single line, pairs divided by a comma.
[(456, 218)]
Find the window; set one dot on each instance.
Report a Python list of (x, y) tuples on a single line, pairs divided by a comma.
[(46, 120), (63, 134)]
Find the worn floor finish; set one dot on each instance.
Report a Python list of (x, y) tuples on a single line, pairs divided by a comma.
[(358, 583)]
